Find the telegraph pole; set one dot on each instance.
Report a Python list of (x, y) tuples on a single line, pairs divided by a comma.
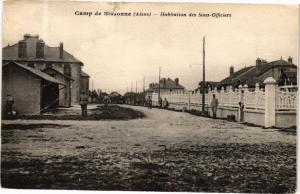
[(131, 88), (135, 86), (144, 84), (203, 82), (159, 82)]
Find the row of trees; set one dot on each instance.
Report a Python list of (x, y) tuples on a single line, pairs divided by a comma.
[(116, 98)]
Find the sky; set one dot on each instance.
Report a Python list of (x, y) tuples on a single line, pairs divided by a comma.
[(119, 51)]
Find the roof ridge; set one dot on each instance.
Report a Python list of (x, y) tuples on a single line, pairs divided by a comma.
[(36, 72)]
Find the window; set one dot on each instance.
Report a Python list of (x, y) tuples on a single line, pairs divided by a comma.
[(49, 65), (67, 69)]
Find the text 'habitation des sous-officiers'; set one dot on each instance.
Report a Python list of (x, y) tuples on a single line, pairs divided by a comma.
[(162, 14)]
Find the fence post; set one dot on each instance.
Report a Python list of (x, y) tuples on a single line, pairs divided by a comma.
[(241, 92), (256, 95), (270, 87), (189, 101)]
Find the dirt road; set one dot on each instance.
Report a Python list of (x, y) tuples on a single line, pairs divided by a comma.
[(166, 150)]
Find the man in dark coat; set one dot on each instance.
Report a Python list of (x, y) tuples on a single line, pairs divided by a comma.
[(83, 101), (214, 105)]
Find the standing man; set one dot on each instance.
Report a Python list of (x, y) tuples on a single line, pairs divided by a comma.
[(106, 101), (165, 104), (214, 105), (241, 105), (159, 102), (9, 101), (83, 101), (149, 102)]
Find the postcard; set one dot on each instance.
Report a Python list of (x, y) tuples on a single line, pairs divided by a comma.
[(177, 97)]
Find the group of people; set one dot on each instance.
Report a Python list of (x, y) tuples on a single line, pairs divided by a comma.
[(84, 100), (161, 103), (214, 107)]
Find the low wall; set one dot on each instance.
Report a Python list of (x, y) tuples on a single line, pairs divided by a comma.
[(256, 117), (285, 119), (223, 112)]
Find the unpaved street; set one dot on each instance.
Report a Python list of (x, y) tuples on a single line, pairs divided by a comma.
[(166, 150)]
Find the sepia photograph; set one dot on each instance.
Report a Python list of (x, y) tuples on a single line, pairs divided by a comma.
[(163, 97)]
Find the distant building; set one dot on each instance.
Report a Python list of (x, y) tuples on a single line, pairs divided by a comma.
[(93, 96), (33, 90), (34, 53), (284, 72), (165, 85)]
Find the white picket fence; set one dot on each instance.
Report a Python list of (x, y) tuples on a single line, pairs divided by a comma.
[(253, 98)]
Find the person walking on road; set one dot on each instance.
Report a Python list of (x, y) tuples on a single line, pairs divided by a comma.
[(83, 101), (214, 105)]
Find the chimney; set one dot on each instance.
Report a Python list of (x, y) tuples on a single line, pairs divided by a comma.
[(40, 45), (22, 50), (258, 62), (177, 81), (61, 50), (26, 36), (231, 70), (290, 59), (164, 82)]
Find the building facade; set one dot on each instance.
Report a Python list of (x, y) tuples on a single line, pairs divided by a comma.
[(166, 85), (34, 53)]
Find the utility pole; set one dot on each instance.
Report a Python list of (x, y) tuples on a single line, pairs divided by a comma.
[(92, 85), (131, 88), (135, 86), (203, 82), (144, 84), (159, 82)]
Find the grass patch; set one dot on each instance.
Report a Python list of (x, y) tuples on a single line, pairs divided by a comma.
[(112, 112)]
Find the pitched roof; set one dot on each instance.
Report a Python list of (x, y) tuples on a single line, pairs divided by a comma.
[(83, 74), (251, 75), (51, 54), (167, 84), (235, 76), (35, 72)]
